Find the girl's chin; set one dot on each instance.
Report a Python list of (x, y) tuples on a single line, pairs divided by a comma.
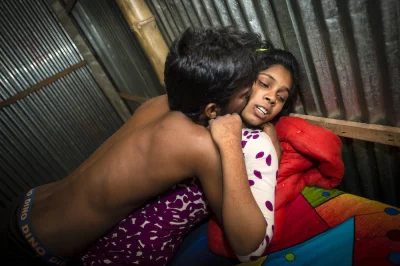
[(252, 121)]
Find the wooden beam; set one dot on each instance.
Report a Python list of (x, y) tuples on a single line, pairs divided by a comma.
[(131, 97), (143, 24), (368, 132), (41, 84), (354, 130)]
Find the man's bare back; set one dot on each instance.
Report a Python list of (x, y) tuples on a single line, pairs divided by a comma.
[(132, 166)]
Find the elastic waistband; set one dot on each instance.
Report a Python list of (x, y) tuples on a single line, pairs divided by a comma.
[(33, 240)]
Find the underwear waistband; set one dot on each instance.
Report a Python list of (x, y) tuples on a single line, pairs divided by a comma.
[(33, 240)]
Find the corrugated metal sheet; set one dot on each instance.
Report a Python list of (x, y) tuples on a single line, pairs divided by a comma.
[(117, 47), (46, 135), (349, 52)]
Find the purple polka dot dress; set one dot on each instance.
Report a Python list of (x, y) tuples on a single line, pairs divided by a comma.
[(151, 235), (262, 168)]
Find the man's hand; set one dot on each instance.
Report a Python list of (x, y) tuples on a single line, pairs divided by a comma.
[(226, 129), (271, 132)]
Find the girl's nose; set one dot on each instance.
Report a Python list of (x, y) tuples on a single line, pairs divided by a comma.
[(271, 100)]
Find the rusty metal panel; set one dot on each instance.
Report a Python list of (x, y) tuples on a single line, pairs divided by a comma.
[(46, 135), (349, 54)]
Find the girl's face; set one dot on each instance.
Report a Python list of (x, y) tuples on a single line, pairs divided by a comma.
[(270, 92)]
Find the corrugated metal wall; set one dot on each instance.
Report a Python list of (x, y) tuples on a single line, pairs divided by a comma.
[(46, 135), (117, 47), (349, 52)]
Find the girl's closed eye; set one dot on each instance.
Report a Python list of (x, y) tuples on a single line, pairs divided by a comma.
[(281, 99), (264, 85)]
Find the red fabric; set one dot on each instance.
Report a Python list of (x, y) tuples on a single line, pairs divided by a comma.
[(300, 224), (311, 157)]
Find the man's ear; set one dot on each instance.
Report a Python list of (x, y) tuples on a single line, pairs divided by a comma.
[(212, 110)]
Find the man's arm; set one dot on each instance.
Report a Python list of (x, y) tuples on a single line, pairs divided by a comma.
[(210, 174), (243, 222)]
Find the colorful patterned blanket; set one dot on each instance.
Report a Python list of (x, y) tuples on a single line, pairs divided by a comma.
[(321, 227), (330, 227)]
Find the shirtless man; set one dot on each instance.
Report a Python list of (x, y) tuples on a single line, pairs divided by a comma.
[(207, 73)]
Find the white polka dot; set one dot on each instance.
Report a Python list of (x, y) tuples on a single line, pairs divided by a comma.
[(141, 244), (145, 222)]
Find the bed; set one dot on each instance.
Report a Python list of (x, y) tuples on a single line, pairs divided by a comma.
[(321, 227)]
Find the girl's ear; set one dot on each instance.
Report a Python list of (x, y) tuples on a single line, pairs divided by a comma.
[(212, 110)]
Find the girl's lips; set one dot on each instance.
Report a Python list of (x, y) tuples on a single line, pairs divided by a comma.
[(259, 113)]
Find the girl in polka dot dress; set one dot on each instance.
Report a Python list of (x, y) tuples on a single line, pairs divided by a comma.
[(270, 98)]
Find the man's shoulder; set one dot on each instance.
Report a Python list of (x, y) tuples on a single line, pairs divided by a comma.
[(178, 129), (180, 123)]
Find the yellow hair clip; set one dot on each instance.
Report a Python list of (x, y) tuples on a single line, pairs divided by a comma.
[(261, 49)]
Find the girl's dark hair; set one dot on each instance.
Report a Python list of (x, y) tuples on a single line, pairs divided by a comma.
[(272, 57), (208, 66)]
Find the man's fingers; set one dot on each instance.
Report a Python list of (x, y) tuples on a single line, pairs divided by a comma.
[(228, 118)]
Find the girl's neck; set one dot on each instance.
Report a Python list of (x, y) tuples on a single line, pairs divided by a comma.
[(246, 125)]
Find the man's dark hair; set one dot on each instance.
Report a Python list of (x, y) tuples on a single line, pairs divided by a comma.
[(208, 66), (272, 57)]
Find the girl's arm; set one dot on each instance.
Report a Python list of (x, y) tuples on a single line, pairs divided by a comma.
[(242, 219), (269, 129)]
